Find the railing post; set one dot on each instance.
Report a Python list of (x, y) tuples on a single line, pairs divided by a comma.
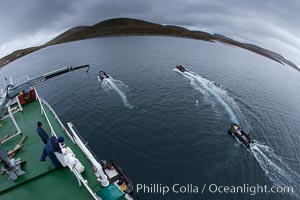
[(13, 119)]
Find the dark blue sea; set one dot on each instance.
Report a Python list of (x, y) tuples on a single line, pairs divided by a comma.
[(164, 127)]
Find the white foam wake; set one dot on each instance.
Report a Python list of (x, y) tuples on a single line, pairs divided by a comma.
[(207, 87), (119, 87), (278, 172)]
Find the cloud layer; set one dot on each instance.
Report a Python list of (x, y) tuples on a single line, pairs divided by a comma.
[(272, 24)]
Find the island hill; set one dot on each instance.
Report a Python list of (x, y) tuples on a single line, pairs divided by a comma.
[(126, 27)]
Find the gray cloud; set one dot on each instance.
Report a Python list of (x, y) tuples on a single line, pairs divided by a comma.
[(272, 24)]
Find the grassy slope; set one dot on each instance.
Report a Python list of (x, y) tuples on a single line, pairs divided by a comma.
[(126, 26)]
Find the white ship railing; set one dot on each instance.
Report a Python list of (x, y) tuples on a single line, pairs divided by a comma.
[(97, 167), (57, 118), (76, 140), (43, 112), (78, 175), (75, 172), (93, 160)]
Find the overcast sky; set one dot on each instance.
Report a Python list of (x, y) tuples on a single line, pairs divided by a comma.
[(272, 24)]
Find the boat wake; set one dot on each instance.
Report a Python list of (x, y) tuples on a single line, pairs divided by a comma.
[(209, 88), (277, 171), (119, 87)]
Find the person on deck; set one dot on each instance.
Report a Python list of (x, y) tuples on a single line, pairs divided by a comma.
[(42, 133), (51, 147)]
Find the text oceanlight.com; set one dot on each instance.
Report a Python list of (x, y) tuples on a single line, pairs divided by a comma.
[(177, 188)]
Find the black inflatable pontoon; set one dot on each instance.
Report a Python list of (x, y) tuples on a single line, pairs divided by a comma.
[(103, 75), (242, 135), (180, 68)]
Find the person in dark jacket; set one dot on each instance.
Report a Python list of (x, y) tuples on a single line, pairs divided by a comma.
[(51, 147), (42, 133)]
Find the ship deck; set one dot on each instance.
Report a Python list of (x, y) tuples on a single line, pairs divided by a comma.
[(42, 180)]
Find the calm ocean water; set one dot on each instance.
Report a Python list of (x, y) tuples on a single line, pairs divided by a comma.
[(163, 127)]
